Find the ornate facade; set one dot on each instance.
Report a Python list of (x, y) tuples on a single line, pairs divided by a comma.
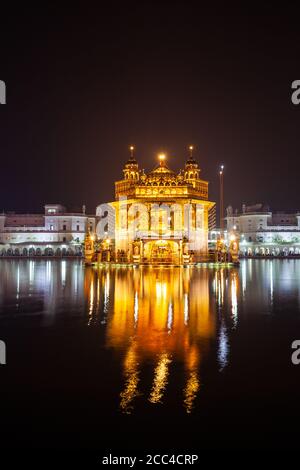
[(161, 217)]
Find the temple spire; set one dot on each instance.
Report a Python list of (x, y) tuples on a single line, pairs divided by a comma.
[(131, 148), (131, 169), (162, 159)]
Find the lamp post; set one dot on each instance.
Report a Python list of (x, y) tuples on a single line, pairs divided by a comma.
[(221, 174)]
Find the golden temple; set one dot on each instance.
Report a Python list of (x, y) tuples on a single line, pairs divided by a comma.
[(161, 217)]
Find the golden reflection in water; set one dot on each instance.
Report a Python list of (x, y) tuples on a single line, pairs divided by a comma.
[(156, 316), (131, 380), (160, 378), (193, 382), (166, 314)]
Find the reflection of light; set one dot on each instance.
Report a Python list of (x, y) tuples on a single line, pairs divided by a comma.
[(193, 383), (91, 306), (161, 289), (136, 308), (63, 272), (132, 379), (244, 277), (249, 262), (223, 348), (170, 316), (48, 271), (31, 272), (271, 282), (163, 312), (219, 286), (234, 299), (98, 292), (160, 378), (18, 282), (186, 309), (190, 391), (106, 293)]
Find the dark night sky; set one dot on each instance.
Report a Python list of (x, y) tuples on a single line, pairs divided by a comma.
[(82, 86)]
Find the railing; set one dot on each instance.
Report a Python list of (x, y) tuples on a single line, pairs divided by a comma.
[(152, 234)]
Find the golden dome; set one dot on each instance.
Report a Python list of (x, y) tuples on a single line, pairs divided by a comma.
[(162, 169)]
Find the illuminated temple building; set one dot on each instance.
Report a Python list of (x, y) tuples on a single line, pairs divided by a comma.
[(161, 217)]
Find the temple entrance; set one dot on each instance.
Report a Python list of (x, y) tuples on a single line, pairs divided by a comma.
[(162, 252)]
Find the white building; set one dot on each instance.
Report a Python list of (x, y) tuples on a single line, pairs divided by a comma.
[(54, 233), (265, 233)]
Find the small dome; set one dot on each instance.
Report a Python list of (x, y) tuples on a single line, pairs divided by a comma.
[(131, 161), (191, 161)]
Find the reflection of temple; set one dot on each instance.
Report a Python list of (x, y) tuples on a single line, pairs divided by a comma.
[(161, 217), (166, 316), (165, 320), (157, 316)]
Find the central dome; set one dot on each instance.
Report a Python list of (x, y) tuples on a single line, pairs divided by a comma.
[(162, 169)]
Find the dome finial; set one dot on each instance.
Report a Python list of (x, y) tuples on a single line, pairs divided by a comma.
[(161, 158), (191, 148), (131, 148)]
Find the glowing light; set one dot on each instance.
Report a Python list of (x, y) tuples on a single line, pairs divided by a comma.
[(131, 382), (232, 238), (160, 379), (31, 272), (170, 317), (234, 302), (186, 309), (136, 308), (161, 157), (91, 306), (131, 148), (223, 347), (190, 391), (63, 272), (146, 318), (191, 147)]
